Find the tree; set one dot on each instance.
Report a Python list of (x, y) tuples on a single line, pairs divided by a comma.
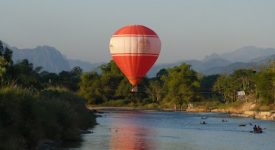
[(3, 69), (207, 85), (5, 61), (181, 84), (265, 84), (227, 88), (122, 91), (49, 79), (111, 78), (25, 75), (91, 89), (155, 90), (245, 80)]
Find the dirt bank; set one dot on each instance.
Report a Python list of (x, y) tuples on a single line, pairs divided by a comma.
[(244, 110)]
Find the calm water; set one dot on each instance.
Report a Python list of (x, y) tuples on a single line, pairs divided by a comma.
[(128, 130)]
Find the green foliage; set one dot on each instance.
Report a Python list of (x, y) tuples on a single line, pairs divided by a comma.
[(28, 117), (155, 90), (207, 85), (90, 88), (241, 80), (174, 86), (116, 103), (3, 69), (182, 84), (245, 80), (70, 79), (261, 83), (5, 61), (111, 84), (178, 84), (226, 87), (265, 84), (25, 75)]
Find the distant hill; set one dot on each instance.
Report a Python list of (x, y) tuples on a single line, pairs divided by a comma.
[(204, 65), (155, 69), (50, 59), (264, 59), (246, 57), (230, 68), (45, 56), (254, 64), (247, 54)]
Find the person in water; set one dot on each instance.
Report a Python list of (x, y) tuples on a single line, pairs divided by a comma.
[(224, 120), (255, 128), (203, 122), (259, 129)]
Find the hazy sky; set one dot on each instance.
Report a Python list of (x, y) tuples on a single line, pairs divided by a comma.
[(188, 28)]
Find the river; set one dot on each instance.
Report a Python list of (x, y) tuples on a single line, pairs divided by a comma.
[(141, 130)]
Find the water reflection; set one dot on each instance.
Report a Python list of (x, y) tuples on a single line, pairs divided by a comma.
[(129, 134), (120, 130)]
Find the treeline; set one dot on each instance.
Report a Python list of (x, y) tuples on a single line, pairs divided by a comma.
[(37, 106), (172, 86), (259, 85), (177, 87)]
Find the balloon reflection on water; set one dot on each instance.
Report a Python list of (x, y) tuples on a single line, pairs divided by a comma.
[(127, 134)]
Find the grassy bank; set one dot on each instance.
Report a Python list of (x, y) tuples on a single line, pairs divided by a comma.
[(27, 118)]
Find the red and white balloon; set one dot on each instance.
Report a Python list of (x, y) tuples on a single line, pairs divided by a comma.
[(135, 48)]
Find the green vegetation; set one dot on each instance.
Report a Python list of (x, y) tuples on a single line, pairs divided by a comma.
[(179, 86), (176, 85), (258, 85), (39, 106), (28, 117)]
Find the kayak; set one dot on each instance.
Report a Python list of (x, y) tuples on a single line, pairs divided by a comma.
[(256, 132)]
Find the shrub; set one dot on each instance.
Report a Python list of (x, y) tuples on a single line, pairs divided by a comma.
[(27, 117)]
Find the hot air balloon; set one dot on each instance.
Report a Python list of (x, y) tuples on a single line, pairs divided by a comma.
[(134, 49)]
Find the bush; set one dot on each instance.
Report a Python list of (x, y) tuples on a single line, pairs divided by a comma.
[(27, 117), (116, 103)]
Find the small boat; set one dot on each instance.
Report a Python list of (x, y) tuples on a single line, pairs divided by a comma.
[(256, 132), (224, 120)]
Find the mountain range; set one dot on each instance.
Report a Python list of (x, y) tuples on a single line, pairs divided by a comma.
[(53, 60), (245, 57)]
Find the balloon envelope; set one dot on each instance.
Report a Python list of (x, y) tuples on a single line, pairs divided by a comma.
[(135, 48)]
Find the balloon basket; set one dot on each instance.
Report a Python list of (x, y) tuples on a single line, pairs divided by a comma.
[(134, 89)]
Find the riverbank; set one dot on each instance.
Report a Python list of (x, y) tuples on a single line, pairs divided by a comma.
[(247, 109)]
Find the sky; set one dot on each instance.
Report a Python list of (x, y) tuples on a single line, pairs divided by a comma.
[(188, 29)]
